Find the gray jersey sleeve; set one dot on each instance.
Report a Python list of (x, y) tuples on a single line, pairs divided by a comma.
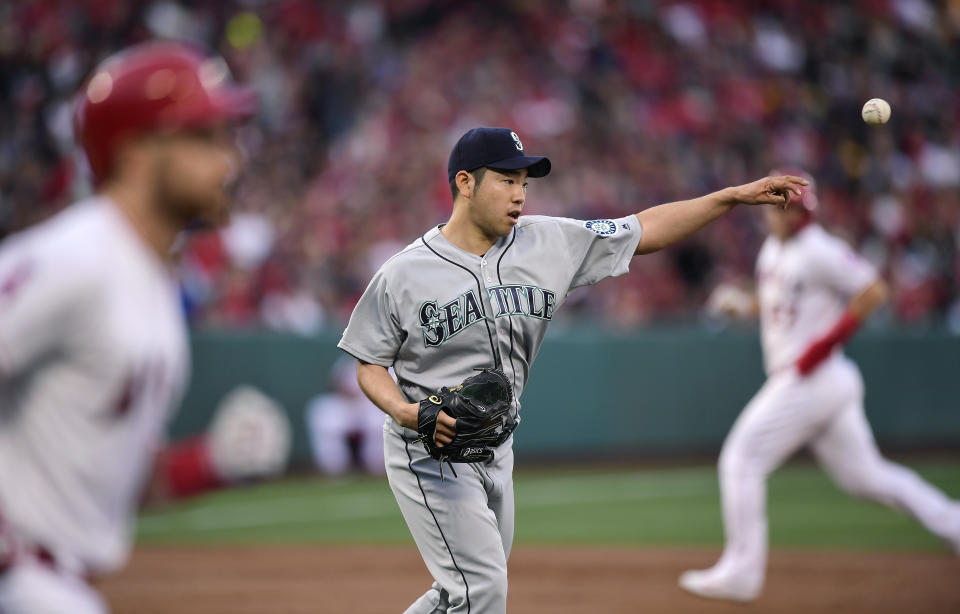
[(374, 334), (599, 248)]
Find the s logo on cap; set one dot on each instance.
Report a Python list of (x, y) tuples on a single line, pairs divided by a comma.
[(516, 141)]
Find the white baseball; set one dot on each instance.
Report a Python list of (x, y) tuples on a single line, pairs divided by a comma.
[(876, 111)]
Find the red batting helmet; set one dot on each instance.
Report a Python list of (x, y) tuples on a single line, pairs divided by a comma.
[(808, 193), (153, 87)]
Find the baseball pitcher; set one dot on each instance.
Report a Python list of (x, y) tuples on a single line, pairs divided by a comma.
[(460, 314), (93, 347), (813, 292)]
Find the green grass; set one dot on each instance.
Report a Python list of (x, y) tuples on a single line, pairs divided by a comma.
[(629, 507)]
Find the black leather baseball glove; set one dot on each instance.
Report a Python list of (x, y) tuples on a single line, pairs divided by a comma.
[(481, 407)]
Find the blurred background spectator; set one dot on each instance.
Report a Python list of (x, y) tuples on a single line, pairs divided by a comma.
[(344, 427), (636, 102)]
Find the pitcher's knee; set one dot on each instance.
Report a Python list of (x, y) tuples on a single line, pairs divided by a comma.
[(479, 592), (494, 592), (487, 591)]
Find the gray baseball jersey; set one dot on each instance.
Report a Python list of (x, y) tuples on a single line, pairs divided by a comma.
[(435, 313)]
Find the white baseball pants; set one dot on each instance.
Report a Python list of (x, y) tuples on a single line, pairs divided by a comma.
[(824, 410)]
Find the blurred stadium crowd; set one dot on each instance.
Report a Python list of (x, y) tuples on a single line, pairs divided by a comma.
[(637, 102)]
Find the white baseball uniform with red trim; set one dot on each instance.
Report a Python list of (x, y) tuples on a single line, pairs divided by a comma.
[(804, 286), (93, 359)]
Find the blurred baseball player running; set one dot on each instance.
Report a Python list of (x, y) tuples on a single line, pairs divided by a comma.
[(93, 351), (813, 292), (480, 291)]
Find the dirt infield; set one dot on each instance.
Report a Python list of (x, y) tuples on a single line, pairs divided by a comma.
[(376, 580)]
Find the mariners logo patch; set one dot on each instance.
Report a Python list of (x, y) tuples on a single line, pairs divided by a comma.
[(604, 228)]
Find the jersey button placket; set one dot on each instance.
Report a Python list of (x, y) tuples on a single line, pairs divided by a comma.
[(485, 273)]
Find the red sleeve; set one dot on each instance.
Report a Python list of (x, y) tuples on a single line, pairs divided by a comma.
[(822, 347)]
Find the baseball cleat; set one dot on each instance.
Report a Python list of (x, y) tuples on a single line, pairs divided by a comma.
[(712, 585)]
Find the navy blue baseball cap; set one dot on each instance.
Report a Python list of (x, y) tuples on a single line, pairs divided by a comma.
[(497, 148)]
